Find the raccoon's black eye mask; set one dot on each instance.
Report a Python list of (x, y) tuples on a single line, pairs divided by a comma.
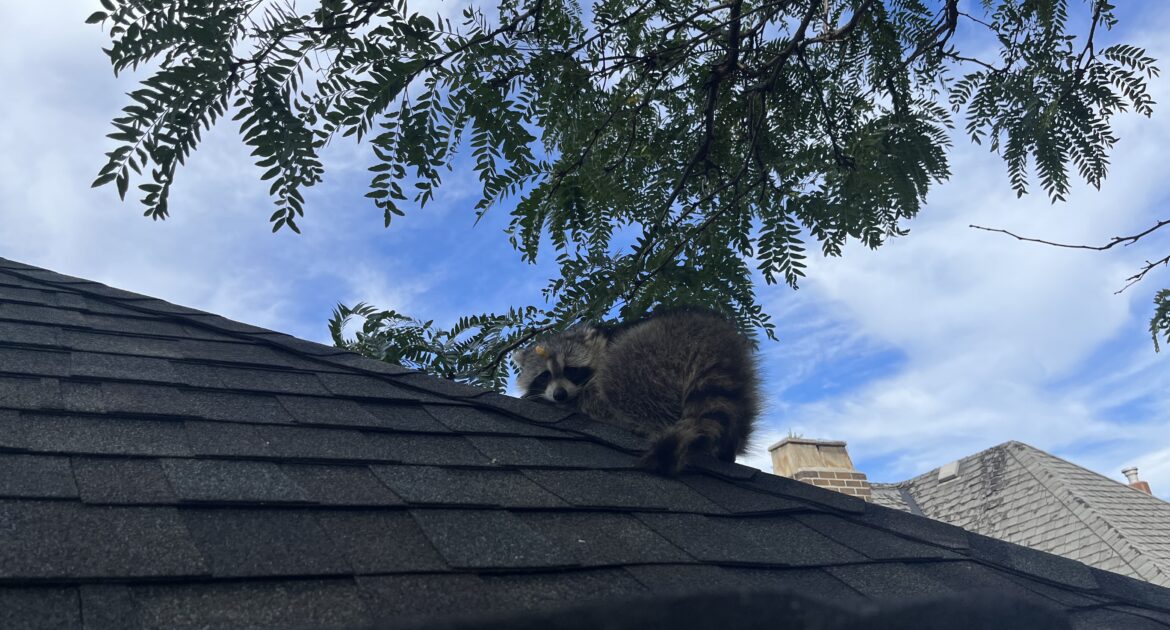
[(538, 385), (578, 375)]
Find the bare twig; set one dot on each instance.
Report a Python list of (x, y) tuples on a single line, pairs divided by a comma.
[(1117, 240), (1137, 277)]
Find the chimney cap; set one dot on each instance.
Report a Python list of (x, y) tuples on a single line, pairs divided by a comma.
[(1131, 474), (802, 440)]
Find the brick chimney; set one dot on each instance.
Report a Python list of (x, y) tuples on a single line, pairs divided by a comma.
[(1131, 474), (819, 462)]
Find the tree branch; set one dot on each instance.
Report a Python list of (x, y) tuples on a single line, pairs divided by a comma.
[(1117, 240)]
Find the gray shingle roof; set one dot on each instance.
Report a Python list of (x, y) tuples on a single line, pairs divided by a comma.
[(163, 467), (1020, 494)]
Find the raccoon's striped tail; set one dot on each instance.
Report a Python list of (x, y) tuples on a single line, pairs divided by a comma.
[(705, 427)]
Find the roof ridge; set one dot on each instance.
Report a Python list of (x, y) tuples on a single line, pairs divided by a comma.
[(455, 393), (1098, 524), (1030, 468)]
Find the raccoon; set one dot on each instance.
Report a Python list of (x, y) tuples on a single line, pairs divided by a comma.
[(684, 379)]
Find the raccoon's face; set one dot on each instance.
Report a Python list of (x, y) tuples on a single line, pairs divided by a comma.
[(556, 368)]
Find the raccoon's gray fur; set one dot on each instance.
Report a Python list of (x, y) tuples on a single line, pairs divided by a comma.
[(685, 379)]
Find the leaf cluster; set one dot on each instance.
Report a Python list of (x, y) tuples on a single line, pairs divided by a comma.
[(666, 152)]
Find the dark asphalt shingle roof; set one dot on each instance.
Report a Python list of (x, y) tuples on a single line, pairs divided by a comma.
[(163, 467)]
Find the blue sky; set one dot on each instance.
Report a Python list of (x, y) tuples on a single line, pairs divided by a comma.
[(934, 347)]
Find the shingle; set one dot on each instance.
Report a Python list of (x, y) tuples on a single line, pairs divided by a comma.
[(38, 362), (314, 410), (217, 323), (678, 579), (48, 315), (254, 543), (413, 448), (334, 411), (230, 352), (12, 279), (404, 417), (813, 582), (381, 542), (725, 470), (1162, 616), (70, 540), (132, 325), (467, 419), (158, 347), (109, 607), (872, 542), (36, 476), (91, 304), (1106, 619), (354, 360), (737, 499), (762, 540), (152, 400), (82, 396), (237, 407), (406, 597), (454, 486), (541, 592), (341, 485), (792, 489), (113, 481), (530, 409), (225, 439), (537, 452), (621, 489), (22, 294), (313, 443), (88, 435), (1119, 586), (231, 481), (488, 539), (1062, 595), (968, 575), (603, 538), (44, 276), (198, 375), (1032, 562), (120, 366), (29, 393), (275, 381), (29, 333), (917, 527), (690, 579), (310, 603), (364, 386), (889, 582), (37, 608), (446, 388), (607, 433), (295, 344)]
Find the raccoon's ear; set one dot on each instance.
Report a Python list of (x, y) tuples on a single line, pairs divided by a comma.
[(518, 358), (595, 335)]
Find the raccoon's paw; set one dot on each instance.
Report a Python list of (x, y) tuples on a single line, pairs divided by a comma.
[(666, 456), (669, 452)]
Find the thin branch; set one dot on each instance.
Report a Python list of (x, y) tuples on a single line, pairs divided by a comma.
[(1137, 277), (1117, 240)]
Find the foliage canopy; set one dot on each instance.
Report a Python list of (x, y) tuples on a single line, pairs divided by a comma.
[(665, 151)]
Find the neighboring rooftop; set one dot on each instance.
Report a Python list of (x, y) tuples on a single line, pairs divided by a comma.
[(164, 467), (1020, 494)]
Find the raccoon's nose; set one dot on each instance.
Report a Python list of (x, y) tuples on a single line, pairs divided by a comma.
[(559, 394)]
